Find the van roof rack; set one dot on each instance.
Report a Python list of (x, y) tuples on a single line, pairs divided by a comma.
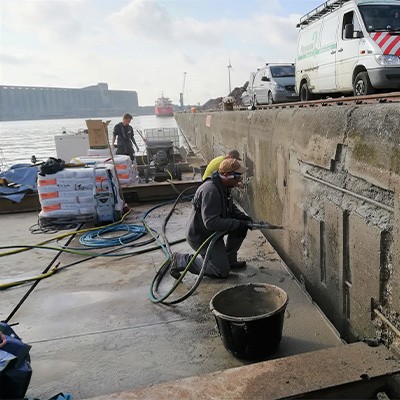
[(279, 63), (318, 12)]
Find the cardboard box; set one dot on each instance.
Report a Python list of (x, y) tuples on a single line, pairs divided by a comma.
[(98, 133)]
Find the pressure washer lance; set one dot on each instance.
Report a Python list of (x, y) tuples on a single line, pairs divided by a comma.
[(263, 225)]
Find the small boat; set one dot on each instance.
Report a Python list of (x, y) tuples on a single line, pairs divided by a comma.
[(145, 180), (164, 107)]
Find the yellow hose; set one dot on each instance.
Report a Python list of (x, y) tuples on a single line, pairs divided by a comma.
[(33, 278)]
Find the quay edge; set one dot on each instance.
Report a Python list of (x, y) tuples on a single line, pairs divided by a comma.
[(331, 176)]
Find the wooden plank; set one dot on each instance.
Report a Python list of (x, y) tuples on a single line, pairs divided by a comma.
[(159, 191), (30, 202)]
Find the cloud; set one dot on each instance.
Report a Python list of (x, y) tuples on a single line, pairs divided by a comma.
[(191, 30), (14, 60), (47, 20), (144, 45), (145, 19), (149, 21)]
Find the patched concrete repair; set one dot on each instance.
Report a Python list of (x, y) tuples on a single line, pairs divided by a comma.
[(331, 176)]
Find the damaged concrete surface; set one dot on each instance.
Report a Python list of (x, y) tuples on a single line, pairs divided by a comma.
[(94, 331), (331, 175)]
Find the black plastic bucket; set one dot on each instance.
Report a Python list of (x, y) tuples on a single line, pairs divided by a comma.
[(250, 318)]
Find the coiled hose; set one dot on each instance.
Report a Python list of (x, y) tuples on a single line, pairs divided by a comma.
[(155, 296), (96, 238)]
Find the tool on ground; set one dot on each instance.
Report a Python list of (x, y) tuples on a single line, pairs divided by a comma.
[(263, 225)]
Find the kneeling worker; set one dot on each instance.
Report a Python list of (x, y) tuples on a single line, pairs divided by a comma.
[(213, 211)]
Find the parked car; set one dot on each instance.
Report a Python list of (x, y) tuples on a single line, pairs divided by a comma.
[(349, 47), (274, 83)]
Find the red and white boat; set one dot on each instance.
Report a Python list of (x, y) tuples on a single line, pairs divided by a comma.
[(164, 107)]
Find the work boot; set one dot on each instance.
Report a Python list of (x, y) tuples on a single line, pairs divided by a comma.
[(238, 265), (173, 268)]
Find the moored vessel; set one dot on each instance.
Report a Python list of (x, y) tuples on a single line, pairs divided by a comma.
[(163, 107)]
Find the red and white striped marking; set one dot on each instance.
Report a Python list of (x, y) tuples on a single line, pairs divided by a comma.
[(390, 44)]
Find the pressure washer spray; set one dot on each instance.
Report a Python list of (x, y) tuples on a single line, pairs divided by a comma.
[(263, 225)]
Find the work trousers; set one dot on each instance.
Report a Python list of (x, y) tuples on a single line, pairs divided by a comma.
[(221, 255)]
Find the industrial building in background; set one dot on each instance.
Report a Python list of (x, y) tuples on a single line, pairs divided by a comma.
[(29, 102)]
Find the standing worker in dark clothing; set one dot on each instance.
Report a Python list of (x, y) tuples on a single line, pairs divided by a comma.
[(125, 140), (213, 211)]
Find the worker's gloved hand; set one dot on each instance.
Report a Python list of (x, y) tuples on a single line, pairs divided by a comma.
[(243, 225), (249, 221)]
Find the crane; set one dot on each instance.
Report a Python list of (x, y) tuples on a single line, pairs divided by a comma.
[(183, 91)]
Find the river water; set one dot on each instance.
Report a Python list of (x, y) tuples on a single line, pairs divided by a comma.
[(19, 140)]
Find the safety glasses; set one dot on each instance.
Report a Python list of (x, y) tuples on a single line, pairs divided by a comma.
[(237, 176)]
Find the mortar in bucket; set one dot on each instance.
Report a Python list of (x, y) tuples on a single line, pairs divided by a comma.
[(250, 318)]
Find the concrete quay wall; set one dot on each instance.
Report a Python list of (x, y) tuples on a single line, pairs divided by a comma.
[(331, 176)]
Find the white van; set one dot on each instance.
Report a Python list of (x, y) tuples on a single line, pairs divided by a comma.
[(349, 46)]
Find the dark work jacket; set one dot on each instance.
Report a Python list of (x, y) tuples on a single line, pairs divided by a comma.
[(212, 210), (124, 139)]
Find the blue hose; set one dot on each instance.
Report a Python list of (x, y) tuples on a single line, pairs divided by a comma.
[(95, 238)]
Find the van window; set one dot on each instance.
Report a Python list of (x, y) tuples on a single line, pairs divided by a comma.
[(282, 71), (351, 18), (381, 17)]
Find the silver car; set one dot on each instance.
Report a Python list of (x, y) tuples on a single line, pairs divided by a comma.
[(274, 83)]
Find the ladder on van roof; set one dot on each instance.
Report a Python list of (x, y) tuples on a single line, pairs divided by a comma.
[(320, 11)]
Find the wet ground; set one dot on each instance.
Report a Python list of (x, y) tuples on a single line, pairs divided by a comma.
[(94, 331)]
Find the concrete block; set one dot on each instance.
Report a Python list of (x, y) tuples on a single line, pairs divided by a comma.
[(325, 374)]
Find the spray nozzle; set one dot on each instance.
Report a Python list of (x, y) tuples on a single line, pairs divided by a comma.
[(263, 225)]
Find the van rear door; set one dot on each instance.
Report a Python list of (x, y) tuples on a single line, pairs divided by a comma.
[(260, 88)]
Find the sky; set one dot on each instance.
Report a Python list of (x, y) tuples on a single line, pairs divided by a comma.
[(154, 47)]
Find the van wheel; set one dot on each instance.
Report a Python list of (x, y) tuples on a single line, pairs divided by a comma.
[(270, 98), (362, 85), (305, 94)]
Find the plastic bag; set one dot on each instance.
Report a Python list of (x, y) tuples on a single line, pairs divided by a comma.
[(51, 166)]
